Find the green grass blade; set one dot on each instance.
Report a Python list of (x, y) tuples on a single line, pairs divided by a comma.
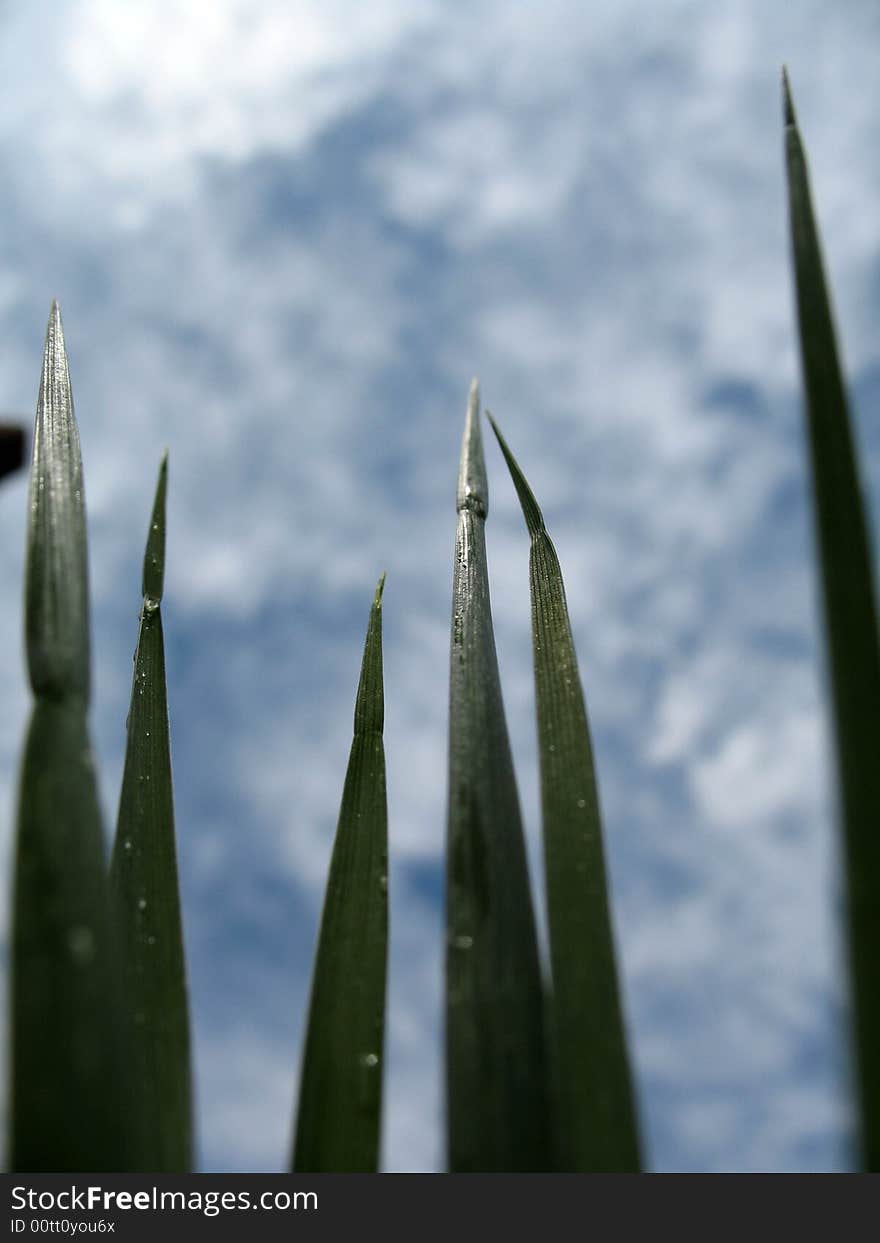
[(56, 575), (66, 1106), (66, 1102), (850, 623), (596, 1110), (340, 1101), (496, 1066), (146, 896)]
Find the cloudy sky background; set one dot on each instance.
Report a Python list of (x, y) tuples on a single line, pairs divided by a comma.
[(284, 236)]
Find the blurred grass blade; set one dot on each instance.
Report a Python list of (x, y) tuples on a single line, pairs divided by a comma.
[(66, 1103), (146, 896), (496, 1067), (850, 624), (340, 1100), (597, 1120), (11, 448), (66, 1085)]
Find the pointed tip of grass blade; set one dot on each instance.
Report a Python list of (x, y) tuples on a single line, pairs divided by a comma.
[(496, 1086), (531, 510), (597, 1129), (369, 708), (144, 877), (788, 111), (380, 588), (339, 1114), (473, 486), (56, 591), (846, 564), (55, 328), (154, 557)]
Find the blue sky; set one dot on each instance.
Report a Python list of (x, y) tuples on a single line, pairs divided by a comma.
[(284, 236)]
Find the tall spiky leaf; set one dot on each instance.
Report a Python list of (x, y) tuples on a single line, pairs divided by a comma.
[(56, 569), (850, 623), (340, 1100), (497, 1087), (66, 1104), (145, 890), (596, 1110)]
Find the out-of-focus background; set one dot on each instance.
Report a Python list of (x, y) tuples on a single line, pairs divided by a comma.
[(284, 236)]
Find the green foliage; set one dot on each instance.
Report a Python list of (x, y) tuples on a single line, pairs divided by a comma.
[(145, 890), (850, 622), (595, 1108), (99, 1048), (340, 1100), (56, 567), (66, 1082), (496, 1064)]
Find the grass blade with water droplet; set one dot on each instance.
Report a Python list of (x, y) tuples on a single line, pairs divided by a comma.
[(146, 894), (66, 1103), (497, 1094), (850, 623), (596, 1111), (340, 1101)]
